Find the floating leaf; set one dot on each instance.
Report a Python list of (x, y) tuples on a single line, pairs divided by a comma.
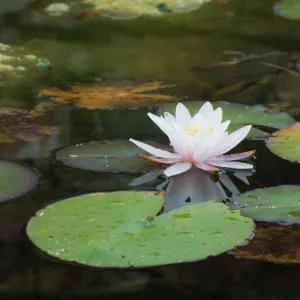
[(16, 180), (105, 94), (275, 204), (273, 243), (16, 124), (288, 9), (105, 156), (240, 115), (119, 229), (286, 143)]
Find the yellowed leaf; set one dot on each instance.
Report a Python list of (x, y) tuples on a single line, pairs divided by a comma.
[(104, 94), (273, 243), (16, 124)]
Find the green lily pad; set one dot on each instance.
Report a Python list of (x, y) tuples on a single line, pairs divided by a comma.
[(105, 156), (288, 9), (275, 204), (16, 180), (240, 115), (286, 143), (119, 229)]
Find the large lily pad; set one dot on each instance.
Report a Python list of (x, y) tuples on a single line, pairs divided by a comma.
[(240, 115), (273, 243), (286, 143), (16, 180), (119, 229), (106, 94), (105, 156), (288, 9), (275, 204)]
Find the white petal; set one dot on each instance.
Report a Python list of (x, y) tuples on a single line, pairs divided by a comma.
[(206, 167), (206, 109), (155, 151), (232, 140), (197, 120), (161, 123), (183, 116), (169, 118), (177, 168), (230, 164), (215, 118), (223, 127), (201, 153)]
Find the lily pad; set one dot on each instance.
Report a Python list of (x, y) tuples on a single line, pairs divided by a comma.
[(240, 115), (288, 9), (273, 243), (16, 180), (275, 204), (286, 143), (106, 94), (105, 156), (119, 229)]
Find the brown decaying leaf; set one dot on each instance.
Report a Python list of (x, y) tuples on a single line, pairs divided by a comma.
[(273, 243), (104, 94), (16, 124)]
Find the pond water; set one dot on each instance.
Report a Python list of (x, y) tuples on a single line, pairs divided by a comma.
[(234, 50)]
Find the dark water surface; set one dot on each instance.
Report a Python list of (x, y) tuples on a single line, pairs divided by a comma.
[(183, 49)]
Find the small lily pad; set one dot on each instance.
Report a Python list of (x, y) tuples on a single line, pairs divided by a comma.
[(16, 180), (119, 229), (286, 143), (273, 243), (105, 156), (275, 204), (240, 115)]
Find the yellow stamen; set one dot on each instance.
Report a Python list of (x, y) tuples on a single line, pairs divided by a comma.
[(195, 129)]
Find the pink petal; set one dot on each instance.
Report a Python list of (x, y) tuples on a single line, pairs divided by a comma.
[(183, 116), (206, 167), (178, 168), (230, 164), (162, 160), (231, 157), (155, 151), (232, 140)]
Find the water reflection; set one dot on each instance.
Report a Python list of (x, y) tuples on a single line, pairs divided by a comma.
[(195, 186)]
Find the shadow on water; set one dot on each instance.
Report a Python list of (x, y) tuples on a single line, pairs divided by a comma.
[(185, 50)]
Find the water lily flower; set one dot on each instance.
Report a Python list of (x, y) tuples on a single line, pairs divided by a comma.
[(201, 140)]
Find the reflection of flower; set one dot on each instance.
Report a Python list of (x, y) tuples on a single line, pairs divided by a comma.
[(200, 140), (194, 186)]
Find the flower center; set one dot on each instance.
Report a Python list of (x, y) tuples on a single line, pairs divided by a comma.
[(192, 130)]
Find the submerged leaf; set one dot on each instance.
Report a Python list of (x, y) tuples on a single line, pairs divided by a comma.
[(15, 180), (105, 156), (275, 204), (105, 94), (273, 243), (119, 229), (288, 9), (19, 125), (240, 115), (286, 143)]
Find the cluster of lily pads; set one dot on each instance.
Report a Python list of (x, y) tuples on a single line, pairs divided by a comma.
[(183, 220)]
